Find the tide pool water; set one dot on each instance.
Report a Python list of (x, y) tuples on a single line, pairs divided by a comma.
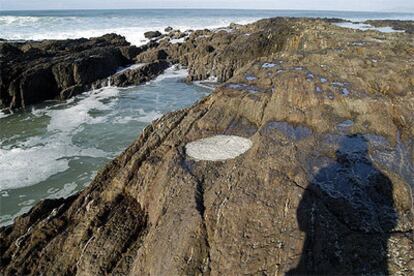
[(56, 148), (26, 25)]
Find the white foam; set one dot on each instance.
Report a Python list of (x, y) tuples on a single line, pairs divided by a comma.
[(218, 148), (173, 72), (124, 120), (212, 78), (143, 117), (70, 118), (3, 115), (67, 190), (149, 116), (40, 157), (26, 167)]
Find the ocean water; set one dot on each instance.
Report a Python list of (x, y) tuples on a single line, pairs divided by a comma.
[(24, 25), (54, 149)]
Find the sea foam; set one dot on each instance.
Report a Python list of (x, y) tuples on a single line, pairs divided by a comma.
[(40, 157)]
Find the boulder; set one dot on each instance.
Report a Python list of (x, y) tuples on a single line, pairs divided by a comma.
[(168, 29)]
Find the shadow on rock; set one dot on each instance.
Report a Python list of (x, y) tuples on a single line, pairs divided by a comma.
[(347, 213)]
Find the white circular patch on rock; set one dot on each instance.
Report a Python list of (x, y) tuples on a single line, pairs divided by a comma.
[(218, 148)]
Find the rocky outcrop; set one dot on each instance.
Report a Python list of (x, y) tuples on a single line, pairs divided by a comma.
[(135, 74), (222, 52), (36, 71), (324, 188)]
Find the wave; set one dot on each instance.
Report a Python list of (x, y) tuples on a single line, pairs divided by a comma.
[(18, 20)]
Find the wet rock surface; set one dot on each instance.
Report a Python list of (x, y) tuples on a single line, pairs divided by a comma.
[(325, 189)]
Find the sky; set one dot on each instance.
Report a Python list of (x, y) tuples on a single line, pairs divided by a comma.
[(344, 5)]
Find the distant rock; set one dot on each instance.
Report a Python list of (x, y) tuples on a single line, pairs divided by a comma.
[(152, 34), (168, 29)]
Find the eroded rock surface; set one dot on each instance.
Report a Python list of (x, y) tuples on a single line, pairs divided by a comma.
[(326, 187)]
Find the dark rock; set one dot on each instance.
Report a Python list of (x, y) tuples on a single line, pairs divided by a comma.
[(151, 55), (130, 52), (141, 75), (35, 71), (135, 76), (168, 29), (152, 34)]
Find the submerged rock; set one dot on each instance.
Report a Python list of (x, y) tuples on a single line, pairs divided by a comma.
[(325, 186)]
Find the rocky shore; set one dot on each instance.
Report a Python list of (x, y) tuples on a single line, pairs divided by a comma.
[(36, 71), (300, 162)]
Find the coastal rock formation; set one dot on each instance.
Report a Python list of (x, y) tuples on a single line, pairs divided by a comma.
[(135, 74), (325, 188), (35, 71)]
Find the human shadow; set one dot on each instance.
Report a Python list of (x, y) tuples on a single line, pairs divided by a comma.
[(347, 213)]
